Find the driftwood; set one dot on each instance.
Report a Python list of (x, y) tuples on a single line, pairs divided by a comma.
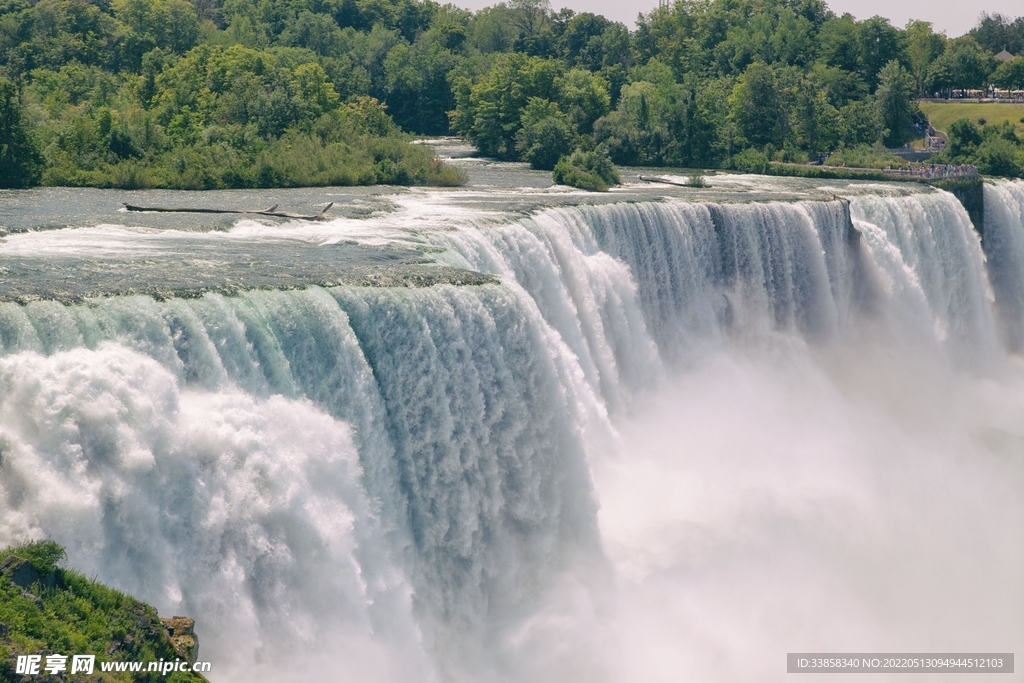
[(259, 212), (666, 181)]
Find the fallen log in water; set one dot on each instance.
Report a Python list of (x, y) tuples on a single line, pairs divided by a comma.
[(259, 212), (666, 181)]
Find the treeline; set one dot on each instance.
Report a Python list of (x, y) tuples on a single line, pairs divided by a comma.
[(172, 93), (226, 93), (734, 83)]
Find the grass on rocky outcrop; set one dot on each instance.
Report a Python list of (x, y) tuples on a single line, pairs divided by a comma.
[(46, 609)]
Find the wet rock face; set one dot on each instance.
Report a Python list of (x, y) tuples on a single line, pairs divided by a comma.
[(181, 632)]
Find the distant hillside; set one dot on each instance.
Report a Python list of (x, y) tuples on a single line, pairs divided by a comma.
[(47, 610)]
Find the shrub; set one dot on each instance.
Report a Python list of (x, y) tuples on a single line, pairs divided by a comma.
[(588, 170), (298, 160), (825, 172), (998, 156), (964, 138), (865, 156), (396, 162), (44, 555), (749, 161)]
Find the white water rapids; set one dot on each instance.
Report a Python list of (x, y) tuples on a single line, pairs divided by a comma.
[(677, 441)]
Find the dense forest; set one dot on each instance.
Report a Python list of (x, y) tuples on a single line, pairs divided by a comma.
[(244, 93)]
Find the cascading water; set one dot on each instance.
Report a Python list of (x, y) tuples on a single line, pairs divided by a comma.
[(675, 440), (1004, 245)]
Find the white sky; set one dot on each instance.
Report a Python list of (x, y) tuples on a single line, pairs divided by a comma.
[(955, 17)]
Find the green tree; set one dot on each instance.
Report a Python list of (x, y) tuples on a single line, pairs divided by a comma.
[(578, 33), (964, 139), (895, 102), (840, 86), (313, 92), (964, 65), (923, 47), (593, 42), (880, 43), (638, 131), (860, 123), (816, 122), (20, 161), (169, 24), (942, 77), (584, 97), (999, 156), (419, 94), (316, 32), (489, 111), (491, 30), (1009, 74), (838, 45), (532, 19), (996, 32), (62, 31), (757, 107), (546, 134)]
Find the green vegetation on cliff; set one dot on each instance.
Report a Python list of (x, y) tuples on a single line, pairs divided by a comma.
[(48, 610)]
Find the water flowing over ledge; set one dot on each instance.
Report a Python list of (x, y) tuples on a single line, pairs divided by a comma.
[(403, 479)]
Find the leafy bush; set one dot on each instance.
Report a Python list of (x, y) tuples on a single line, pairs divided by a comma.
[(998, 156), (749, 161), (296, 159), (823, 172), (866, 156), (964, 137), (588, 170), (994, 149)]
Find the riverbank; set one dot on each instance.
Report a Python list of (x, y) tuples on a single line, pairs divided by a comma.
[(296, 160)]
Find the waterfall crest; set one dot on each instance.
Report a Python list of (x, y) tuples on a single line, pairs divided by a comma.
[(408, 470)]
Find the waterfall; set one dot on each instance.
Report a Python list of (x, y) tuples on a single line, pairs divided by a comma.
[(402, 478), (1004, 246)]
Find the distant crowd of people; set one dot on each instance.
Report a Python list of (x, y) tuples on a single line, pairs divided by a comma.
[(936, 171)]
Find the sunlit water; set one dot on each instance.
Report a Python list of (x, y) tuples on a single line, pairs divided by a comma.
[(510, 432)]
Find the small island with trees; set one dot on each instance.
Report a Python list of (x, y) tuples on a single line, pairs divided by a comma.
[(204, 94)]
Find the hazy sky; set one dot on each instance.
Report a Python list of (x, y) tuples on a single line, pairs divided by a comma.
[(955, 17)]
